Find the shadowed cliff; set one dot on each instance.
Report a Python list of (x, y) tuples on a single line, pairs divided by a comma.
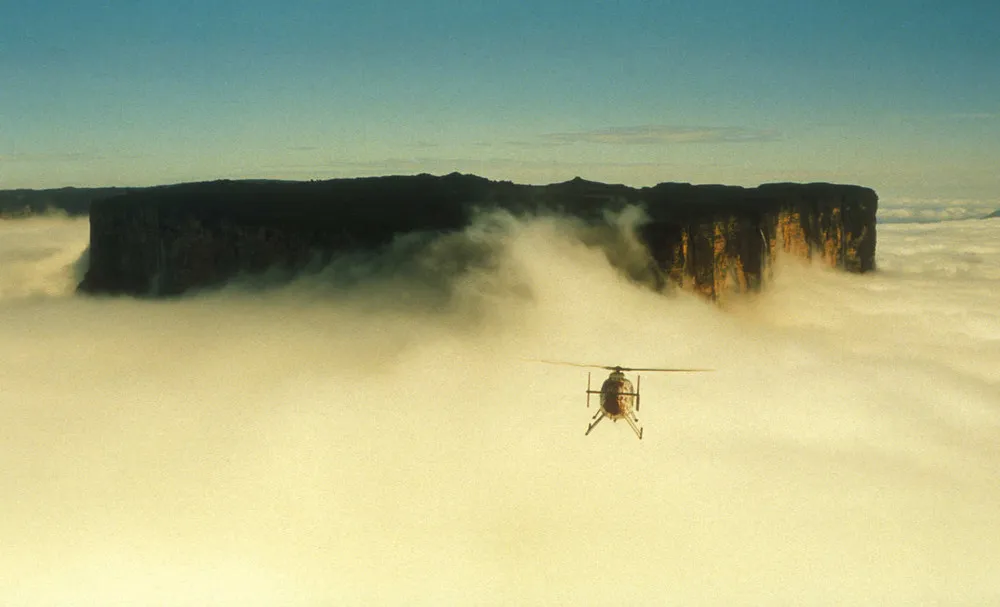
[(709, 238)]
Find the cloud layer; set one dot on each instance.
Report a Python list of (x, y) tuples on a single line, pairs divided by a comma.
[(381, 441), (928, 210)]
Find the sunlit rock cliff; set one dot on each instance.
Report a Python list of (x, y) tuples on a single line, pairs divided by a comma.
[(711, 239)]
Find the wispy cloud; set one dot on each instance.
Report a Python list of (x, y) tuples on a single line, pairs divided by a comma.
[(444, 165), (663, 135), (942, 117), (51, 157), (423, 144), (974, 116)]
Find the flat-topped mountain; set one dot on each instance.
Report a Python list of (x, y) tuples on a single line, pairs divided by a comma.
[(710, 238)]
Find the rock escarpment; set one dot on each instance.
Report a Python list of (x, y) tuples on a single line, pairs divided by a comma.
[(708, 238)]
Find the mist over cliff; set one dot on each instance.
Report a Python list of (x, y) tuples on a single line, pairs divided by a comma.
[(364, 436)]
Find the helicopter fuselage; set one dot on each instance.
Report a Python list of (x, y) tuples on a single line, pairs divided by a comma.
[(617, 395), (618, 400)]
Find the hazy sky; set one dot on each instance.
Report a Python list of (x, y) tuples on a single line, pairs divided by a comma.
[(902, 96)]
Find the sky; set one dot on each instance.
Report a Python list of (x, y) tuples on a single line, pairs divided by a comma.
[(898, 95), (388, 444)]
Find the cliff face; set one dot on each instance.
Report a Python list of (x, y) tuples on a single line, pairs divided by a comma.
[(718, 240), (712, 239)]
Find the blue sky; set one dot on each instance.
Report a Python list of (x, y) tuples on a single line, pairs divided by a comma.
[(901, 96)]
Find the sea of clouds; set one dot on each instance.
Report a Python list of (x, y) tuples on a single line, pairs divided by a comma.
[(380, 439), (927, 210)]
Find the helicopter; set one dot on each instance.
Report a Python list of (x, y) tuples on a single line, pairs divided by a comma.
[(616, 396)]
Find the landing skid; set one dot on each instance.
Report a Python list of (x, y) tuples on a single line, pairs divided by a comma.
[(600, 416), (637, 429), (597, 419)]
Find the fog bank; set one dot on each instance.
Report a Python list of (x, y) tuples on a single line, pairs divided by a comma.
[(371, 434)]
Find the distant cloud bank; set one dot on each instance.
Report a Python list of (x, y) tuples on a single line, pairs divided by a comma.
[(911, 210)]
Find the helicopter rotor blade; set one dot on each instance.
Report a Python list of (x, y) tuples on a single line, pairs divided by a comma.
[(560, 362), (668, 370), (613, 367)]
